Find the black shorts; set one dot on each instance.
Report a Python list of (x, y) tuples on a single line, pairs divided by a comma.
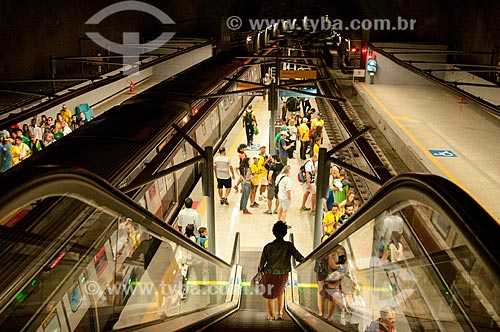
[(223, 183)]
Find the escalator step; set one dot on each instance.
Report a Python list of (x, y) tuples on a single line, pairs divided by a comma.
[(253, 320)]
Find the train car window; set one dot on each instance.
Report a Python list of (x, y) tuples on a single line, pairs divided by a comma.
[(214, 124), (217, 119), (100, 261), (75, 296), (52, 323)]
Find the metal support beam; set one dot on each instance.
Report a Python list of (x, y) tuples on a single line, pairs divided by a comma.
[(345, 143), (208, 172), (208, 183), (321, 188), (161, 174), (356, 170), (245, 82), (189, 139), (217, 95)]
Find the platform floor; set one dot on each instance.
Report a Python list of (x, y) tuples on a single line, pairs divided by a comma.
[(429, 117), (256, 229)]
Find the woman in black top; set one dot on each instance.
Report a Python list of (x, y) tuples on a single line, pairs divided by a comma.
[(275, 264)]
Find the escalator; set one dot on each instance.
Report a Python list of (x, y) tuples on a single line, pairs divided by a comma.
[(252, 313), (81, 256)]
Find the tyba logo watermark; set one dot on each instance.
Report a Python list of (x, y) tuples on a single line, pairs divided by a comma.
[(131, 48)]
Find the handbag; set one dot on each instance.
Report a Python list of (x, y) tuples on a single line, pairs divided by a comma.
[(257, 279), (255, 130)]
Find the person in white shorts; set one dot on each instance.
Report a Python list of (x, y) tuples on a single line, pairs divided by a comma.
[(310, 184), (284, 185)]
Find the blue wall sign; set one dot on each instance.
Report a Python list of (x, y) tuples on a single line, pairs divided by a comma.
[(442, 153)]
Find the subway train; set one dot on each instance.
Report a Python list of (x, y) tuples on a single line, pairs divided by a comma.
[(125, 145)]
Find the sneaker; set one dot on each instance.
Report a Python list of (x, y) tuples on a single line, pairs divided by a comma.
[(304, 209), (226, 202), (268, 212), (312, 213), (254, 204), (222, 201), (275, 212), (288, 226), (247, 212)]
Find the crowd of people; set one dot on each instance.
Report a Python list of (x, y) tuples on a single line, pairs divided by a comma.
[(255, 176), (18, 144)]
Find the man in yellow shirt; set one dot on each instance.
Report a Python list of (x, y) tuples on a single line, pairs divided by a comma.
[(318, 121), (66, 113), (330, 220), (304, 138)]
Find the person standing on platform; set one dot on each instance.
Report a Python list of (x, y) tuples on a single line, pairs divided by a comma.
[(306, 105), (224, 172), (304, 138), (275, 264), (35, 144), (245, 180), (249, 121), (188, 216), (292, 129), (6, 155), (284, 187), (275, 168), (284, 146), (66, 113), (340, 187), (254, 183), (310, 184), (264, 160)]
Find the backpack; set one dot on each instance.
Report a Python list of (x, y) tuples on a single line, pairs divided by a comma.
[(248, 118), (302, 173)]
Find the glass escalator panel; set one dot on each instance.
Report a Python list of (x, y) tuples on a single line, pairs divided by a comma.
[(75, 265), (408, 267)]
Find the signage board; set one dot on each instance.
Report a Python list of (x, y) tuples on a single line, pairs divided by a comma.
[(304, 74)]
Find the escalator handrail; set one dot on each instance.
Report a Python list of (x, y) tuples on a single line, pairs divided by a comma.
[(469, 218), (83, 185), (235, 256)]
